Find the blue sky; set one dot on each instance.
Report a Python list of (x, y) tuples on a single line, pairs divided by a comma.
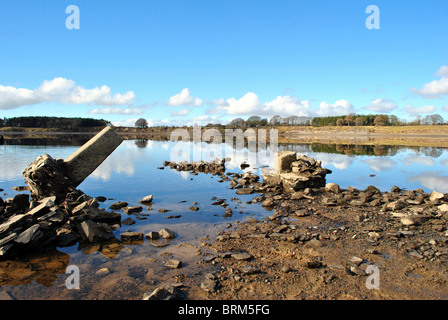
[(177, 61)]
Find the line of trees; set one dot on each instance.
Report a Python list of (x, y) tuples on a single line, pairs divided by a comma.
[(345, 120), (52, 122)]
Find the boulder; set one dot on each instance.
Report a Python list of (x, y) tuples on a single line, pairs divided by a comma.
[(435, 196), (332, 187), (284, 160), (96, 231)]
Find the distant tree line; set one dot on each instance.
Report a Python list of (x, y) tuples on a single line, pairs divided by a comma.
[(52, 122), (344, 120)]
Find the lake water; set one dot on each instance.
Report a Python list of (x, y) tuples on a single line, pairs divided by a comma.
[(133, 171)]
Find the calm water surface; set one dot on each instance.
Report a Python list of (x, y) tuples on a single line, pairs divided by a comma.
[(132, 172)]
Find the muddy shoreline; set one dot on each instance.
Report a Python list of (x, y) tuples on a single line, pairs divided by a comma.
[(317, 244)]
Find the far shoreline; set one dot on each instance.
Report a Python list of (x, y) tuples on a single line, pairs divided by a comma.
[(434, 136)]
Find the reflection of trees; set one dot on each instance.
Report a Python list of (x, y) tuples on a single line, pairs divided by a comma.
[(378, 150), (381, 150), (141, 143), (432, 151)]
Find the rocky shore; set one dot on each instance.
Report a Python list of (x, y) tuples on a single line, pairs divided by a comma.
[(325, 242), (321, 241)]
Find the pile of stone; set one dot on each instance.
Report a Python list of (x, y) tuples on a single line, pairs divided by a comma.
[(58, 214), (45, 224), (296, 172), (216, 167)]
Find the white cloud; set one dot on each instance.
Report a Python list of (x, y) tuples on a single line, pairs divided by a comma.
[(435, 88), (131, 122), (340, 107), (442, 72), (287, 106), (63, 91), (180, 113), (381, 105), (420, 110), (184, 98), (248, 104), (117, 110)]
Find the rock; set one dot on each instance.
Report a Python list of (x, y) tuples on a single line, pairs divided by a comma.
[(132, 236), (152, 235), (102, 272), (147, 199), (128, 221), (313, 264), (20, 203), (228, 212), (118, 205), (100, 215), (164, 292), (243, 191), (164, 210), (173, 216), (407, 221), (435, 196), (250, 270), (395, 189), (284, 160), (166, 233), (355, 260), (286, 269), (372, 189), (357, 271), (268, 203), (209, 285), (241, 256), (29, 234), (96, 231), (173, 264), (332, 187), (397, 205), (132, 209), (443, 207), (194, 208), (414, 254)]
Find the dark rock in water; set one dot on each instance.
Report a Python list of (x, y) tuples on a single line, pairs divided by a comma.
[(96, 231), (132, 236), (228, 213), (118, 205), (132, 209), (128, 221), (244, 165)]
